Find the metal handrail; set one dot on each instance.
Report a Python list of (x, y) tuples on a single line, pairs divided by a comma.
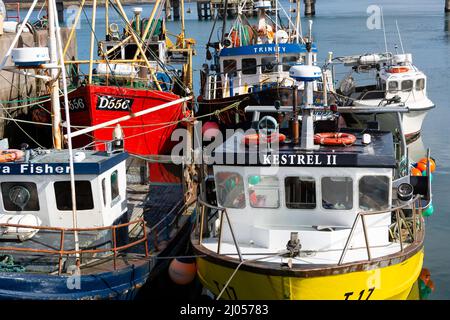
[(397, 210), (399, 215), (63, 231)]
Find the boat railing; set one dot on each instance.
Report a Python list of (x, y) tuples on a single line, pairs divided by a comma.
[(402, 224), (61, 252)]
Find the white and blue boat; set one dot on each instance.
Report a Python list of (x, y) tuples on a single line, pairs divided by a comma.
[(250, 64)]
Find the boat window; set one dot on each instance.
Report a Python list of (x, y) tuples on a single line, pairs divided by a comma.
[(249, 66), (264, 191), (420, 84), (393, 86), (407, 85), (230, 190), (104, 191), (268, 64), (20, 196), (229, 66), (114, 187), (288, 62), (337, 193), (300, 192), (374, 193), (83, 194)]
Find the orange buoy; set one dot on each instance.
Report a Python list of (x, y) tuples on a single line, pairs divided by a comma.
[(210, 130), (416, 172), (11, 155), (398, 69), (182, 271), (421, 166), (334, 138), (432, 163), (425, 275), (258, 138)]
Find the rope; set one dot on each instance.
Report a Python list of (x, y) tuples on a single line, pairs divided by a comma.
[(240, 264), (7, 264)]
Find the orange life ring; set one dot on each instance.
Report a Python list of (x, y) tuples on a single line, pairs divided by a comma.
[(334, 138), (257, 138), (398, 69), (11, 155)]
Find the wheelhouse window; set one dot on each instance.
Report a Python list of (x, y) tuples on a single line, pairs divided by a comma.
[(300, 192), (393, 86), (248, 66), (230, 190), (374, 193), (264, 191), (288, 62), (420, 84), (104, 191), (337, 193), (268, 65), (83, 195), (114, 187), (20, 196), (407, 85), (230, 67)]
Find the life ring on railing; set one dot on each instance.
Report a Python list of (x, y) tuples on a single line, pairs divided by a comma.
[(398, 69), (257, 138), (10, 155), (334, 138)]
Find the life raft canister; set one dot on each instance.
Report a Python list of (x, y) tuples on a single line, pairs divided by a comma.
[(398, 69), (10, 155), (258, 138), (334, 139)]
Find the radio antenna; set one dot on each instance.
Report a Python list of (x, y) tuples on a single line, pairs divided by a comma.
[(400, 37), (384, 29)]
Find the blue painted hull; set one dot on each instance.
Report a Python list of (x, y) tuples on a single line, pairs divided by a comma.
[(121, 284)]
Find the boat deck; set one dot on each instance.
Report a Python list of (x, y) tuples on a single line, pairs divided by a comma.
[(325, 257)]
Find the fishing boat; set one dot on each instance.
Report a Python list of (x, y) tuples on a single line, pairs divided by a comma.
[(80, 224), (137, 68), (250, 64), (394, 80), (295, 212)]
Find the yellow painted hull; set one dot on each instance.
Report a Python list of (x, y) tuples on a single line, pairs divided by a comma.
[(391, 282)]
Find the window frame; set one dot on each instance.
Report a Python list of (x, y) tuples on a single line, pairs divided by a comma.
[(277, 189), (419, 88), (390, 89), (314, 180), (230, 73), (20, 183), (410, 88), (254, 68), (263, 65), (352, 193), (219, 200), (116, 199), (79, 207), (388, 191)]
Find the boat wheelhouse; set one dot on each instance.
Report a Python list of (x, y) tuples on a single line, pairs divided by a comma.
[(396, 81)]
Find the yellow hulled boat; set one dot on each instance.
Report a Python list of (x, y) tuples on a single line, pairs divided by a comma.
[(316, 215)]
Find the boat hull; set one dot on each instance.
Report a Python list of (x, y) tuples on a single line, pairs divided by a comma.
[(91, 105), (394, 281), (122, 284), (412, 120)]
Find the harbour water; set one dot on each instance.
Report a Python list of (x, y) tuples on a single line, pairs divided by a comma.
[(341, 26)]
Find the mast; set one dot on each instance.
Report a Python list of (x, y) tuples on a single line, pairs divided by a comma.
[(224, 22), (307, 134), (91, 52), (54, 84), (297, 21)]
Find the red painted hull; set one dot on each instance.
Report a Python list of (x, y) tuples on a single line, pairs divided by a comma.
[(148, 134)]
